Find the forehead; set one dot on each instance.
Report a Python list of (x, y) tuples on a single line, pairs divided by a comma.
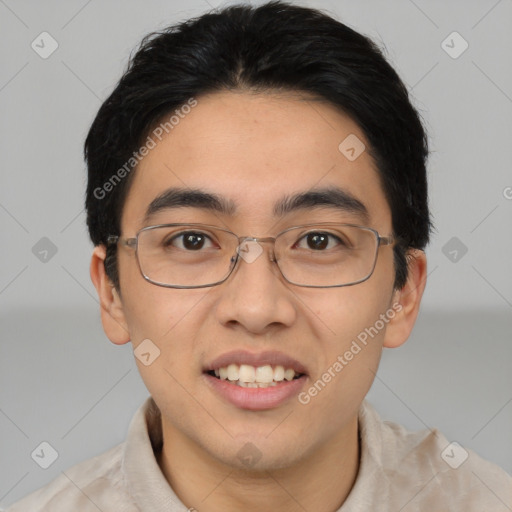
[(254, 150)]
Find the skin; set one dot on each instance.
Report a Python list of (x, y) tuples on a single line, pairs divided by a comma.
[(236, 144)]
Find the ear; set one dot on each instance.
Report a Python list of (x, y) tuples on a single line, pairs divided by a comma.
[(112, 313), (409, 297)]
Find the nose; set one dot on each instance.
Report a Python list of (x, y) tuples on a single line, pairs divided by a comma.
[(256, 296)]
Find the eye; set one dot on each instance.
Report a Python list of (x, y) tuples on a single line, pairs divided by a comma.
[(318, 241), (188, 240)]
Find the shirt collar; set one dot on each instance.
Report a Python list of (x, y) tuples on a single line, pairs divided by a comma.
[(144, 479)]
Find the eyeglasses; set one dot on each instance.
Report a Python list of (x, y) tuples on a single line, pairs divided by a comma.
[(196, 255)]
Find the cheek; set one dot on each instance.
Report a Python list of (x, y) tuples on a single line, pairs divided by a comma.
[(168, 318), (152, 311), (357, 334), (352, 322), (340, 315)]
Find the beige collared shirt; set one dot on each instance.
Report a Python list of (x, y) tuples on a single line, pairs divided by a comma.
[(400, 471)]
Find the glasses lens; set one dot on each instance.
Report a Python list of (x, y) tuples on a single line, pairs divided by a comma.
[(185, 255), (322, 255), (326, 255)]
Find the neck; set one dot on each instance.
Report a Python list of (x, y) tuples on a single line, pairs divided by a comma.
[(320, 481)]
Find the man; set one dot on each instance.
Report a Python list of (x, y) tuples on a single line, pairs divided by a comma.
[(257, 199)]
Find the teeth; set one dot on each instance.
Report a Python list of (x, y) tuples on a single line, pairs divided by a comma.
[(233, 373), (255, 384), (289, 374), (249, 376), (246, 373), (279, 373), (265, 374)]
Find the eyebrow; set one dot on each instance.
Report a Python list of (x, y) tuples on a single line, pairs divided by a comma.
[(329, 197)]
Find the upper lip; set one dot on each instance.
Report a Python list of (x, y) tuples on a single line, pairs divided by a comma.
[(256, 359)]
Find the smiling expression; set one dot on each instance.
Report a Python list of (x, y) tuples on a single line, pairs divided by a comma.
[(249, 154)]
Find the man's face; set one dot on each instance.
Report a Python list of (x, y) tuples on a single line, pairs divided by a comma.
[(253, 150)]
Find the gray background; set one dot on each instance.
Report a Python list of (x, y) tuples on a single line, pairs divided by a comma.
[(63, 382)]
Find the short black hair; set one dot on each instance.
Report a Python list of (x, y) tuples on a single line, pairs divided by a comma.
[(276, 46)]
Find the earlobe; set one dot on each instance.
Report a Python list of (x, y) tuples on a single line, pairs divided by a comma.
[(409, 298), (112, 312)]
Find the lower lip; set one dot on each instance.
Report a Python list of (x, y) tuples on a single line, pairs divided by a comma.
[(256, 399)]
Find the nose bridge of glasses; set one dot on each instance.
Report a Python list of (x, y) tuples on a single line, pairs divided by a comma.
[(250, 247), (255, 239)]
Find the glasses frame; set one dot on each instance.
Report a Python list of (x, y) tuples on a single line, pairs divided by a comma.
[(133, 243)]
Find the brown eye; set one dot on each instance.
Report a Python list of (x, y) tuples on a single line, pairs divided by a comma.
[(319, 241), (189, 240)]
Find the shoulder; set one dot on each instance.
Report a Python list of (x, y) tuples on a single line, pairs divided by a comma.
[(96, 483), (424, 469)]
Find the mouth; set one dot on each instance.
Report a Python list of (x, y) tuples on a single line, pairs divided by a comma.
[(248, 376), (255, 381)]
